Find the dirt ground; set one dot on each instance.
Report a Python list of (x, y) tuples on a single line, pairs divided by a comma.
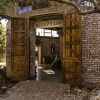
[(40, 90), (35, 90), (5, 83)]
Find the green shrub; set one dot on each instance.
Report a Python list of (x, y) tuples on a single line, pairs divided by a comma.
[(2, 38)]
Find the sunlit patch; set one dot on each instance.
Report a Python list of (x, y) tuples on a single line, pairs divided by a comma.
[(2, 65), (40, 67), (4, 21), (49, 71)]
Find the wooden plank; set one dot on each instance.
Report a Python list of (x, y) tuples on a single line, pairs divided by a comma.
[(20, 48), (72, 49), (48, 24)]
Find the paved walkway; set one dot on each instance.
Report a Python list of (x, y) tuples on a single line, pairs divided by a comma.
[(32, 90)]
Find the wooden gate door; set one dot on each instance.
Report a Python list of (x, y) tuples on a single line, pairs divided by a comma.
[(20, 48), (72, 49)]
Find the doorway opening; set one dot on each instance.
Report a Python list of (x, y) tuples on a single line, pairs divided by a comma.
[(48, 53)]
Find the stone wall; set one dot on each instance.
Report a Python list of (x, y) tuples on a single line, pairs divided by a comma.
[(91, 49), (60, 32), (45, 43), (32, 49), (8, 50)]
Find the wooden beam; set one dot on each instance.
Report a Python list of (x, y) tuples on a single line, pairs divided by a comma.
[(47, 11)]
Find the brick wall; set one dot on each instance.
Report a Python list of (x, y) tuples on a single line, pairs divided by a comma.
[(91, 49), (45, 43)]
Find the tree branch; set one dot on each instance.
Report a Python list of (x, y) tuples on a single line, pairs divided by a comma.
[(94, 1), (69, 3), (88, 12), (78, 8)]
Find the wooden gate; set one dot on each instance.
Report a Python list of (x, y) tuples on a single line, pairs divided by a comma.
[(20, 49), (72, 49)]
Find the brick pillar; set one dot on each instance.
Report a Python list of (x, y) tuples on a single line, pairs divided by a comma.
[(32, 49), (8, 50), (91, 49)]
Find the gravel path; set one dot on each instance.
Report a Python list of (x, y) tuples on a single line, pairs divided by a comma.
[(33, 90)]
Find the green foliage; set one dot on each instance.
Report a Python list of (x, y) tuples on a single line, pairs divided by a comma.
[(3, 5), (2, 38)]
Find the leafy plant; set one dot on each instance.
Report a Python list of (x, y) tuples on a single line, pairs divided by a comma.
[(2, 38)]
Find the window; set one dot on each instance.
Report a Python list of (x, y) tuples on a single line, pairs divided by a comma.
[(36, 48), (47, 33), (55, 34), (40, 32)]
